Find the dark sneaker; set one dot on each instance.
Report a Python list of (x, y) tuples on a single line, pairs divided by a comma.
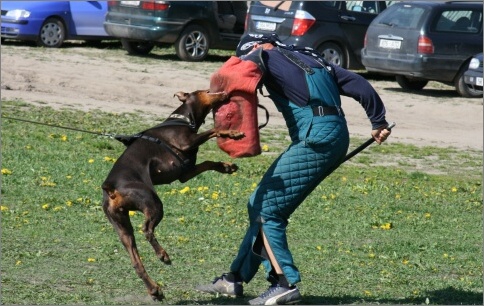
[(221, 285), (277, 295)]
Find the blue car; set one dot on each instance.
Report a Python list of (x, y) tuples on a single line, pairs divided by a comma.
[(50, 23)]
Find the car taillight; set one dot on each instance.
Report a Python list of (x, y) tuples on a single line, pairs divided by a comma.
[(154, 5), (425, 45), (113, 3), (302, 22)]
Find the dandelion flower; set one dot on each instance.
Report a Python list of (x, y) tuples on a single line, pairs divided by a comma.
[(454, 189), (3, 208), (90, 259), (19, 262), (386, 226), (427, 215), (214, 195), (132, 213), (91, 161), (185, 190), (45, 206), (64, 137), (265, 148), (6, 171)]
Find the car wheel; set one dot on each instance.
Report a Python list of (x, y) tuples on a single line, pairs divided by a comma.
[(137, 47), (52, 33), (462, 88), (410, 84), (333, 54), (193, 44)]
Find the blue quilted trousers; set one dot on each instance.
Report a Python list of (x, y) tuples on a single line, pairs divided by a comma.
[(319, 145)]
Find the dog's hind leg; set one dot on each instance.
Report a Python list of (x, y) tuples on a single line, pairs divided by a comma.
[(119, 218), (153, 211)]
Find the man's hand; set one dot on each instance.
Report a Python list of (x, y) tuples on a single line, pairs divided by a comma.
[(381, 134)]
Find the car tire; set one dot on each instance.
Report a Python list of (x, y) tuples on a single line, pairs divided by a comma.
[(193, 44), (410, 84), (137, 47), (52, 33), (333, 54), (462, 88)]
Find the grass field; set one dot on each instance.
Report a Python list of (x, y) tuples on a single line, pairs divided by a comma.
[(370, 234)]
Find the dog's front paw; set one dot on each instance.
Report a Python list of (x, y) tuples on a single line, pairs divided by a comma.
[(232, 134), (229, 167), (236, 134)]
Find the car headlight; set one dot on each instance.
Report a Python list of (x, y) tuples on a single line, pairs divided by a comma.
[(474, 64), (18, 14)]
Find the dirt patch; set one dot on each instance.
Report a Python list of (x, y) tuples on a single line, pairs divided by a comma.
[(108, 79)]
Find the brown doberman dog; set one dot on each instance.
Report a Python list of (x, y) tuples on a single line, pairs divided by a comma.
[(160, 155)]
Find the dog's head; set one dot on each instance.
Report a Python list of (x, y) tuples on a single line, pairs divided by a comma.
[(200, 102)]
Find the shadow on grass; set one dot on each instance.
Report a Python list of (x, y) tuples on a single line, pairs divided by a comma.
[(447, 296)]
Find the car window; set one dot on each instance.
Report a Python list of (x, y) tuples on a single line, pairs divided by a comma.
[(279, 5), (405, 16), (370, 7), (462, 21)]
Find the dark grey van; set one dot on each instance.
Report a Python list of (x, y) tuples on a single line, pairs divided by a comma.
[(335, 28), (422, 41)]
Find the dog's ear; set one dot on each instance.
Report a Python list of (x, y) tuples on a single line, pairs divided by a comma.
[(182, 96)]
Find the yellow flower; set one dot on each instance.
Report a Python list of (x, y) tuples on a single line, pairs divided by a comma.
[(18, 262), (265, 148), (91, 259), (454, 189), (132, 213), (64, 137), (371, 255), (181, 220), (318, 248), (3, 208), (6, 171), (214, 195), (397, 196), (90, 161), (57, 208), (45, 206), (405, 261), (386, 226), (185, 190), (109, 159), (69, 203), (427, 215), (344, 179)]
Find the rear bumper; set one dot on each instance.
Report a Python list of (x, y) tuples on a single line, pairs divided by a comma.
[(148, 33), (418, 66)]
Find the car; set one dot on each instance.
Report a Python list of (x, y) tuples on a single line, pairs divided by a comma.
[(193, 27), (424, 41), (50, 23), (334, 28), (473, 74)]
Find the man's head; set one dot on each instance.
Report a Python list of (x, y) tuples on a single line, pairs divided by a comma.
[(247, 42)]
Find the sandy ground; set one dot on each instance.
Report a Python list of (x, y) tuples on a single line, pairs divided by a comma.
[(110, 80)]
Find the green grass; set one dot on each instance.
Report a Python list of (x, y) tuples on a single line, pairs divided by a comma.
[(408, 231)]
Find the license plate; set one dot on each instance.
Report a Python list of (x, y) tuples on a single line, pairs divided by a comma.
[(130, 3), (390, 44), (265, 26), (479, 81)]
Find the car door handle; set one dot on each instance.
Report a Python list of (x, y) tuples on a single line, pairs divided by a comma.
[(348, 18)]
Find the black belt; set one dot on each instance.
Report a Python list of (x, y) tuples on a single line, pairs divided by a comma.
[(326, 110)]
